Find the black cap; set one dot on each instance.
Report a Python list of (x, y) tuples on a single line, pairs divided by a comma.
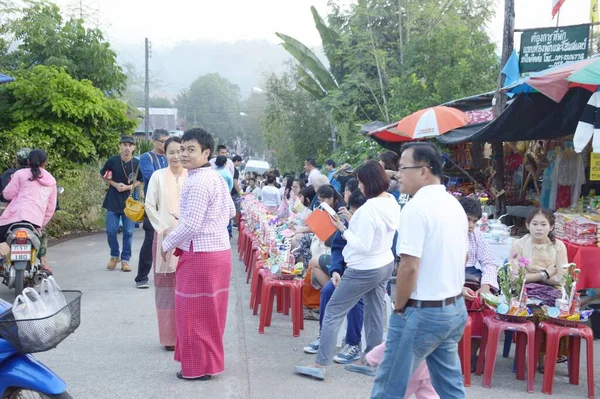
[(127, 139)]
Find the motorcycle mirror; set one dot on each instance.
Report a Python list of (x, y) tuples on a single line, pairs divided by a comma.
[(61, 189)]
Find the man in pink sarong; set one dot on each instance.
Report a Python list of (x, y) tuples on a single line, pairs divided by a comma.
[(202, 243)]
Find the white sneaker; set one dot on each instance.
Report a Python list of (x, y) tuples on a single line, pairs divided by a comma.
[(313, 347), (348, 354)]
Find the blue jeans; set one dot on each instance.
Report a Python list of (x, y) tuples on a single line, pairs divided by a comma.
[(355, 316), (112, 230), (430, 334)]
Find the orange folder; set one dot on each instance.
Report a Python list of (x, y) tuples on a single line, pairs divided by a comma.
[(320, 224)]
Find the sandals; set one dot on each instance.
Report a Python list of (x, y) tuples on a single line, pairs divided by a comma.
[(205, 377), (561, 359)]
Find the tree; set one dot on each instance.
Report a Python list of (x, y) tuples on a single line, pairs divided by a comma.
[(45, 39), (253, 112), (134, 93), (295, 123), (72, 120), (213, 103)]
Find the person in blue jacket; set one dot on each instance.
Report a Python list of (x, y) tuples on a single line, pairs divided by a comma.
[(333, 265)]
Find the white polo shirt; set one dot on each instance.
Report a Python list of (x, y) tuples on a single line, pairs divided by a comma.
[(311, 176), (435, 229)]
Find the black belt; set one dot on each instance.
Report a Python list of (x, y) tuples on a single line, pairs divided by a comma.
[(413, 303)]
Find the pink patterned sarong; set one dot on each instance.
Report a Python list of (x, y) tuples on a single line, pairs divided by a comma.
[(201, 297)]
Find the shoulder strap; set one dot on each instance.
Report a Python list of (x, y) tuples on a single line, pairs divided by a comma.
[(151, 157), (137, 170)]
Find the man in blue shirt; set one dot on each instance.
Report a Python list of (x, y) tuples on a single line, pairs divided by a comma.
[(330, 168), (150, 162)]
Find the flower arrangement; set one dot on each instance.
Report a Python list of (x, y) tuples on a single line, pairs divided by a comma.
[(512, 279), (570, 278)]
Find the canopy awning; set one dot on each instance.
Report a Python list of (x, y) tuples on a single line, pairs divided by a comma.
[(531, 116)]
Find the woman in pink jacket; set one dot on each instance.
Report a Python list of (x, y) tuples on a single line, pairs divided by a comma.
[(32, 195)]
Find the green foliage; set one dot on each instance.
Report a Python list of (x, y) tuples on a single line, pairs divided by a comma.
[(72, 120), (142, 145), (295, 124), (80, 203), (45, 39), (213, 103), (391, 58)]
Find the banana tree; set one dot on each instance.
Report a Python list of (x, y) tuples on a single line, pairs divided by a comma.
[(315, 77)]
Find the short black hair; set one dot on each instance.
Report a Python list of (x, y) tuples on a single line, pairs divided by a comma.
[(276, 173), (158, 133), (236, 158), (271, 178), (356, 200), (311, 161), (352, 185), (326, 191), (202, 137), (173, 139), (390, 160), (373, 178), (308, 193), (221, 147), (220, 160), (330, 162), (428, 154), (472, 207)]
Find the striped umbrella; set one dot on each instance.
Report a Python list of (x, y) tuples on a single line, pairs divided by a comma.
[(426, 123)]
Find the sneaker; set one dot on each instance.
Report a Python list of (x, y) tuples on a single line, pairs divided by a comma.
[(313, 347), (112, 263), (142, 284), (125, 266), (348, 354)]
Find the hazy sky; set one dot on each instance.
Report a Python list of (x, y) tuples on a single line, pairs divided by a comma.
[(129, 21)]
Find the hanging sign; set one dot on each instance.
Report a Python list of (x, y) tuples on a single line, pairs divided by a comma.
[(549, 47), (595, 166)]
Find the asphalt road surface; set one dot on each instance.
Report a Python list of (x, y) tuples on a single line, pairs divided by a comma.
[(115, 352)]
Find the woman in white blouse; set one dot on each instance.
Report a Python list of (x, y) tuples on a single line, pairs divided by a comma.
[(162, 208), (271, 196)]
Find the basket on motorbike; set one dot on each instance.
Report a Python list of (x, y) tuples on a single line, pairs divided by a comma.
[(42, 334)]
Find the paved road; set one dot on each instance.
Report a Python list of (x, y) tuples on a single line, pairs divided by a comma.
[(115, 352)]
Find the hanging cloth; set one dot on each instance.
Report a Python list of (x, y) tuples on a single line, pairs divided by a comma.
[(589, 125)]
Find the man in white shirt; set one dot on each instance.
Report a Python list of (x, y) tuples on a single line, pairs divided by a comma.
[(310, 166), (430, 312)]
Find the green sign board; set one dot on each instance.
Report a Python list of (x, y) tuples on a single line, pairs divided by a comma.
[(546, 48)]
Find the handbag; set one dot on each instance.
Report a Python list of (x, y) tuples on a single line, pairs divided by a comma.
[(134, 210)]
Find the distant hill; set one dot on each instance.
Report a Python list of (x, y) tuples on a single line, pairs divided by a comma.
[(242, 62)]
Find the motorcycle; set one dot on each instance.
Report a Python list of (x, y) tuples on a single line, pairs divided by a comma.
[(22, 268)]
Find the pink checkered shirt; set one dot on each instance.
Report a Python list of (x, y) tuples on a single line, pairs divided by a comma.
[(205, 210), (480, 252)]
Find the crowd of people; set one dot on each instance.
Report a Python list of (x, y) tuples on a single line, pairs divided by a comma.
[(391, 217)]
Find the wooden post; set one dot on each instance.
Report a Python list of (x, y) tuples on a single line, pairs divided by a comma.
[(500, 103)]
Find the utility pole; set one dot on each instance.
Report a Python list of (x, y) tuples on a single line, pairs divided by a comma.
[(147, 93), (499, 105)]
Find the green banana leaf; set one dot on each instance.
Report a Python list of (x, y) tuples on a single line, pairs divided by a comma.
[(309, 61), (330, 39), (309, 84)]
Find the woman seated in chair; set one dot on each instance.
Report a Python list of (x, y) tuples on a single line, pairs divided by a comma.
[(546, 257)]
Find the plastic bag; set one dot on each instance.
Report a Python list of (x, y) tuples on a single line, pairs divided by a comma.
[(55, 301), (28, 306)]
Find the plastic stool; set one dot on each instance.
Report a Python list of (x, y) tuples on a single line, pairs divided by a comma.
[(252, 247), (554, 333), (246, 236), (255, 299), (254, 287), (254, 254), (241, 228), (267, 297), (492, 328), (464, 351)]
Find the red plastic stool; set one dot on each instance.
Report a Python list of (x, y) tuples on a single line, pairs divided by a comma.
[(255, 299), (464, 351), (243, 246), (267, 297), (254, 255), (254, 284), (241, 230), (252, 246), (525, 332), (575, 333)]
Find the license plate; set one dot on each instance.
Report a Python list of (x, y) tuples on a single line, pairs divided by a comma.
[(20, 252)]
